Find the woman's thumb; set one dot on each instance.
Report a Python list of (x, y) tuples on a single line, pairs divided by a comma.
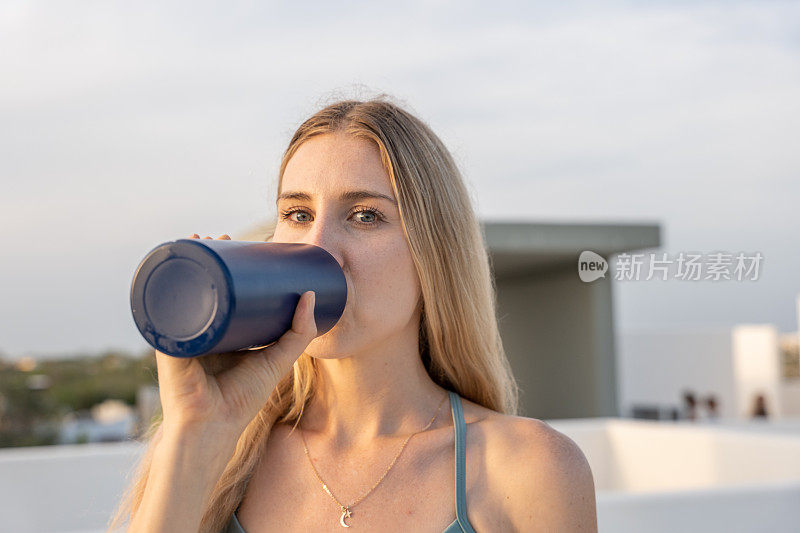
[(279, 357)]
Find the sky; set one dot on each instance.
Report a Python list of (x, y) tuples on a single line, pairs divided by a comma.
[(124, 125)]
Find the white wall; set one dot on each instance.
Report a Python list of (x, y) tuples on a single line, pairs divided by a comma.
[(769, 508), (790, 397), (655, 366), (65, 488), (756, 368), (683, 476)]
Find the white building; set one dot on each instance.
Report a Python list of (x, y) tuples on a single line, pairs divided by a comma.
[(734, 364), (111, 420)]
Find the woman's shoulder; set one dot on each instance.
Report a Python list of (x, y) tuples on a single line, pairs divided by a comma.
[(502, 429), (539, 475)]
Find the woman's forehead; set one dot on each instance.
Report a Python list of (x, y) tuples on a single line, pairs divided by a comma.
[(334, 164)]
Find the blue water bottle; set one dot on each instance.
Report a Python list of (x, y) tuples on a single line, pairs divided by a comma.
[(193, 297)]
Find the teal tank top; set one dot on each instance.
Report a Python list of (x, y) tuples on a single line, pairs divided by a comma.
[(461, 523)]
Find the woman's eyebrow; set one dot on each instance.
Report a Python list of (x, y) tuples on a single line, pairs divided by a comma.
[(345, 196)]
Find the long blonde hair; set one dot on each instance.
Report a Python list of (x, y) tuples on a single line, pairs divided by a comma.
[(460, 342)]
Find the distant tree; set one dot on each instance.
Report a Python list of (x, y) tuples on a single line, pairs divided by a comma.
[(77, 383)]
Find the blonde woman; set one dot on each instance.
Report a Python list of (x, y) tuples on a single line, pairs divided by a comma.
[(400, 418)]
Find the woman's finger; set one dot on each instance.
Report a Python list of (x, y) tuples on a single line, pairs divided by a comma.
[(224, 237), (278, 358)]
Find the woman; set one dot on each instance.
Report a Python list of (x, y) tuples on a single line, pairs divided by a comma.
[(315, 433)]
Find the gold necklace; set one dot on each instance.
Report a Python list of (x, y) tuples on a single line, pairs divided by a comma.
[(346, 509)]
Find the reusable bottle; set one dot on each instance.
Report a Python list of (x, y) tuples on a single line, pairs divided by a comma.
[(192, 297)]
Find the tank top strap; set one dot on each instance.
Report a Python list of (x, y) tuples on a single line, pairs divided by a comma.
[(461, 461)]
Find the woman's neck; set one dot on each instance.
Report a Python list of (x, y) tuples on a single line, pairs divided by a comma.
[(372, 395)]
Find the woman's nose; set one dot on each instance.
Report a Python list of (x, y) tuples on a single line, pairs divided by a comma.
[(323, 235)]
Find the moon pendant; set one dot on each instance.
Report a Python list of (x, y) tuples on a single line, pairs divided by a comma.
[(345, 513)]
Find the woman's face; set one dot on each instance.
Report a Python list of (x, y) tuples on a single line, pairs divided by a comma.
[(336, 194)]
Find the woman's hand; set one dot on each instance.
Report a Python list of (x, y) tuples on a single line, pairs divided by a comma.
[(227, 390)]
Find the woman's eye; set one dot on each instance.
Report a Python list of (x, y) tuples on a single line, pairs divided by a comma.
[(363, 217), (301, 213), (369, 214)]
